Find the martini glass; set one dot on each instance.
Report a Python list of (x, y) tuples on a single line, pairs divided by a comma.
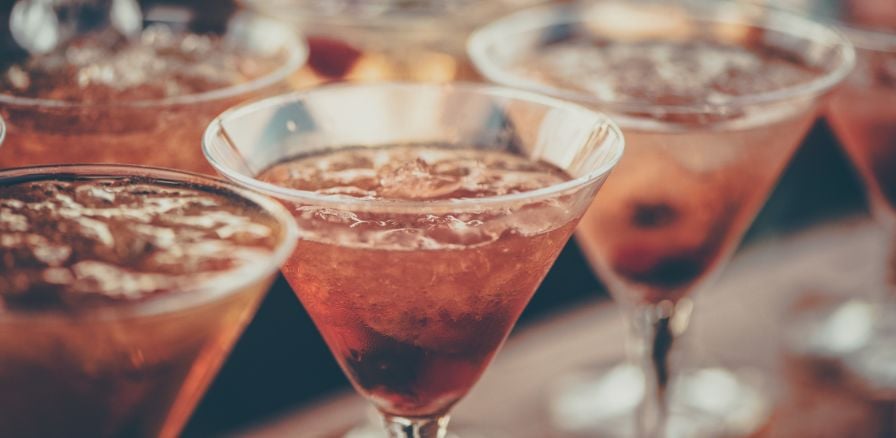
[(101, 81), (123, 290), (863, 116), (429, 214), (714, 98)]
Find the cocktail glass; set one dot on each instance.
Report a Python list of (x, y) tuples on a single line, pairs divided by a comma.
[(697, 170), (863, 116), (127, 348), (415, 296), (98, 103), (423, 40)]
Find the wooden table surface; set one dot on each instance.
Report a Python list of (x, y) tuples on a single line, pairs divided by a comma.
[(738, 322)]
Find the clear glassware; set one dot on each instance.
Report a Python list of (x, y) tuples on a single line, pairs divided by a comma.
[(420, 40), (863, 116), (697, 169), (412, 314), (115, 366), (143, 94)]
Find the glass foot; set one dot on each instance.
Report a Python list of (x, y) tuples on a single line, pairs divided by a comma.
[(829, 328), (854, 335), (707, 402), (871, 367)]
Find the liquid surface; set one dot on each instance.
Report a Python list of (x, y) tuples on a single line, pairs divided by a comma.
[(415, 304), (663, 72), (415, 173), (157, 64), (68, 243)]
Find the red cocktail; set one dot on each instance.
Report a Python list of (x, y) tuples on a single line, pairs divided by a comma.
[(714, 98), (142, 98), (415, 305), (123, 290), (425, 229)]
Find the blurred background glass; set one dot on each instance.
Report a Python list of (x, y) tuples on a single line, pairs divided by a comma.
[(386, 39), (109, 81)]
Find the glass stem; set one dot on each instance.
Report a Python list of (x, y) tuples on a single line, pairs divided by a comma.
[(656, 326), (402, 427)]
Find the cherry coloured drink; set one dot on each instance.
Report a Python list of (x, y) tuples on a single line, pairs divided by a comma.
[(120, 296), (690, 184), (414, 305), (713, 98)]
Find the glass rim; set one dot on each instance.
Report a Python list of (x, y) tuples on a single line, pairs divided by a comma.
[(546, 16), (205, 291), (600, 121), (296, 57)]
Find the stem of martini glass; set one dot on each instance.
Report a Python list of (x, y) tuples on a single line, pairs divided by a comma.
[(656, 326), (402, 427)]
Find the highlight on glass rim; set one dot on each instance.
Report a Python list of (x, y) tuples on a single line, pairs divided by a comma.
[(447, 218)]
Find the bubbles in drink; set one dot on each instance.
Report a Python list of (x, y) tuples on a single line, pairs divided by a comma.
[(68, 243), (664, 72)]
